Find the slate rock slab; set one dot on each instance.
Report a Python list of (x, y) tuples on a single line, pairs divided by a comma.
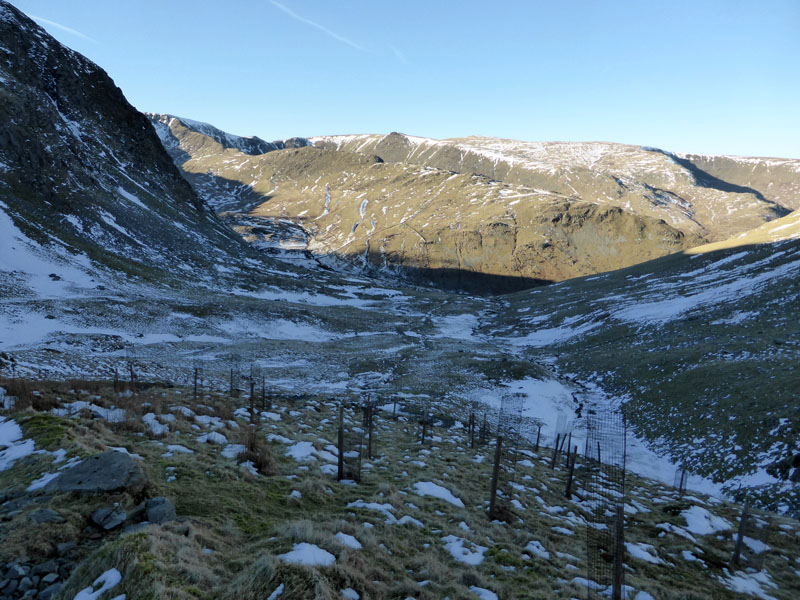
[(109, 518), (106, 472)]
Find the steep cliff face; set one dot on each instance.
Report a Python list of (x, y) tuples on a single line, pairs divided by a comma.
[(425, 223), (80, 167)]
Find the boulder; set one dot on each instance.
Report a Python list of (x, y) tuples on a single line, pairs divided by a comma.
[(16, 571), (50, 578), (106, 472), (159, 510), (45, 515), (109, 517), (50, 592), (49, 566), (65, 548)]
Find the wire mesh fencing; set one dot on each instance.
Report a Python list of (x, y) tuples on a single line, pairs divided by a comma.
[(604, 491)]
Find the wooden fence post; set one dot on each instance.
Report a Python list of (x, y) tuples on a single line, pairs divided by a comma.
[(571, 474), (555, 451), (619, 554), (340, 465), (737, 551), (370, 429), (498, 453)]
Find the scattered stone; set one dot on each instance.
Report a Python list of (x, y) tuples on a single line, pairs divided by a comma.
[(106, 472), (9, 494), (160, 510), (46, 567), (109, 517), (50, 578), (16, 571), (46, 515), (49, 592), (135, 528), (65, 548)]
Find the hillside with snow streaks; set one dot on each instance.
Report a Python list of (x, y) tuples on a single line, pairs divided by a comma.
[(646, 181), (427, 223), (698, 351), (109, 257)]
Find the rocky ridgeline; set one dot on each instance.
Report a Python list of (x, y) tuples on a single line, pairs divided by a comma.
[(252, 146), (82, 169)]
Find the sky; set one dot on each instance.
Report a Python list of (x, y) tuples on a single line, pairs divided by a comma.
[(703, 76)]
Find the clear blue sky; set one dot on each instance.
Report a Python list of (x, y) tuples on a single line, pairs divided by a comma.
[(707, 76)]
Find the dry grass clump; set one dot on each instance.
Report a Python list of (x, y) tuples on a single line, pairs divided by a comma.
[(20, 389), (259, 453), (263, 577), (314, 488)]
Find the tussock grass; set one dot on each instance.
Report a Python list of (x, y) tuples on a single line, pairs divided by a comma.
[(233, 526)]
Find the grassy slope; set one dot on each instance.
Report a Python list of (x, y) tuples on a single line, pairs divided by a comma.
[(247, 521), (700, 349), (409, 212)]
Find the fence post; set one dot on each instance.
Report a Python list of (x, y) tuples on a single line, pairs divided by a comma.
[(737, 551), (498, 453), (555, 451), (538, 436), (369, 442), (571, 460), (619, 553), (360, 454), (133, 378), (263, 392), (471, 430), (340, 465)]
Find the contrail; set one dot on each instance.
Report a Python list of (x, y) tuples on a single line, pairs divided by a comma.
[(74, 32), (322, 28)]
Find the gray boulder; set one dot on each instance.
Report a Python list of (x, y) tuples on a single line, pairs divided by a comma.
[(49, 566), (159, 510), (50, 578), (107, 472), (135, 528), (45, 515), (65, 548), (109, 518), (50, 591)]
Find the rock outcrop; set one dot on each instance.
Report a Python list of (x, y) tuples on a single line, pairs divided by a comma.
[(106, 472)]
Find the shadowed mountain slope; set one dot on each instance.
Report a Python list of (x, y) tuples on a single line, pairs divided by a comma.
[(429, 220), (82, 172)]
